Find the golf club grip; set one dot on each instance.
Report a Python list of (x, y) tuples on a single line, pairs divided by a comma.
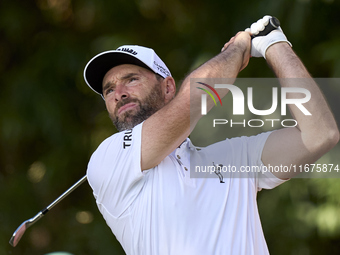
[(273, 24)]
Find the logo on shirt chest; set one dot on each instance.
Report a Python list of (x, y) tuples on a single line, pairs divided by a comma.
[(218, 168)]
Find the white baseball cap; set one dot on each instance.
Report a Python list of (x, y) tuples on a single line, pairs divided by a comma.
[(99, 65)]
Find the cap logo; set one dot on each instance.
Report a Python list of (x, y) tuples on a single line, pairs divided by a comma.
[(161, 69), (131, 51)]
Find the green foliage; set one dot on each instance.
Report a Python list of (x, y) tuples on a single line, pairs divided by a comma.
[(51, 122)]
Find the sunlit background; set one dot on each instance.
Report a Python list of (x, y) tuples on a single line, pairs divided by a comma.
[(51, 122)]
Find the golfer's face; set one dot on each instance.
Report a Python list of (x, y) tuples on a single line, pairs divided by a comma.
[(125, 87)]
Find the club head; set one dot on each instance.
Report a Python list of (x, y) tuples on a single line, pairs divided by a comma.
[(18, 234), (22, 228)]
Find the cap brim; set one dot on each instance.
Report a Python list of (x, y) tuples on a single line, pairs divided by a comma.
[(98, 66)]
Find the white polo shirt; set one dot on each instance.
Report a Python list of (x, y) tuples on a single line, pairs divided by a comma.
[(164, 211)]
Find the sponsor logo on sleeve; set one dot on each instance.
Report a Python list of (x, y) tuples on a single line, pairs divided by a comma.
[(127, 140)]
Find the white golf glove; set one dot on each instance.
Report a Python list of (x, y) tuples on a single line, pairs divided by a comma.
[(260, 44)]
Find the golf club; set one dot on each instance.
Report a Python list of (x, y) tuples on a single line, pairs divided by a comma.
[(26, 224)]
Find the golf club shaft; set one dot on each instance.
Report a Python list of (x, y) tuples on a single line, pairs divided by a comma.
[(26, 224), (65, 194)]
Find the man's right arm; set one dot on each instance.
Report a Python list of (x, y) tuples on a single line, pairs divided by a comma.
[(170, 126)]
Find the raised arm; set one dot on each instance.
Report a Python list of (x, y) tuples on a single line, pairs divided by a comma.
[(315, 134), (169, 127)]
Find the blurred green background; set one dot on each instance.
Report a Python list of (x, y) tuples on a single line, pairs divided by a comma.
[(51, 122)]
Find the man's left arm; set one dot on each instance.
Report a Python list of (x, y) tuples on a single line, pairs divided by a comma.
[(315, 134)]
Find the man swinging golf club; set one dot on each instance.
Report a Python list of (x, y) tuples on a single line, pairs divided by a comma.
[(141, 176)]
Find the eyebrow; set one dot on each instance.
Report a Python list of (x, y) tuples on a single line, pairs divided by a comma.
[(125, 77)]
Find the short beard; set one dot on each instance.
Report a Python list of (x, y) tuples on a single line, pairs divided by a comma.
[(129, 119)]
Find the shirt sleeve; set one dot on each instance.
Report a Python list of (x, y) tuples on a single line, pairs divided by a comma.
[(264, 178), (114, 171)]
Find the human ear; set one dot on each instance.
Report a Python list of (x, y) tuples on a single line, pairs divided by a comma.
[(169, 88)]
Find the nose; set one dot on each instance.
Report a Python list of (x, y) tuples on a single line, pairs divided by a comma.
[(121, 93)]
